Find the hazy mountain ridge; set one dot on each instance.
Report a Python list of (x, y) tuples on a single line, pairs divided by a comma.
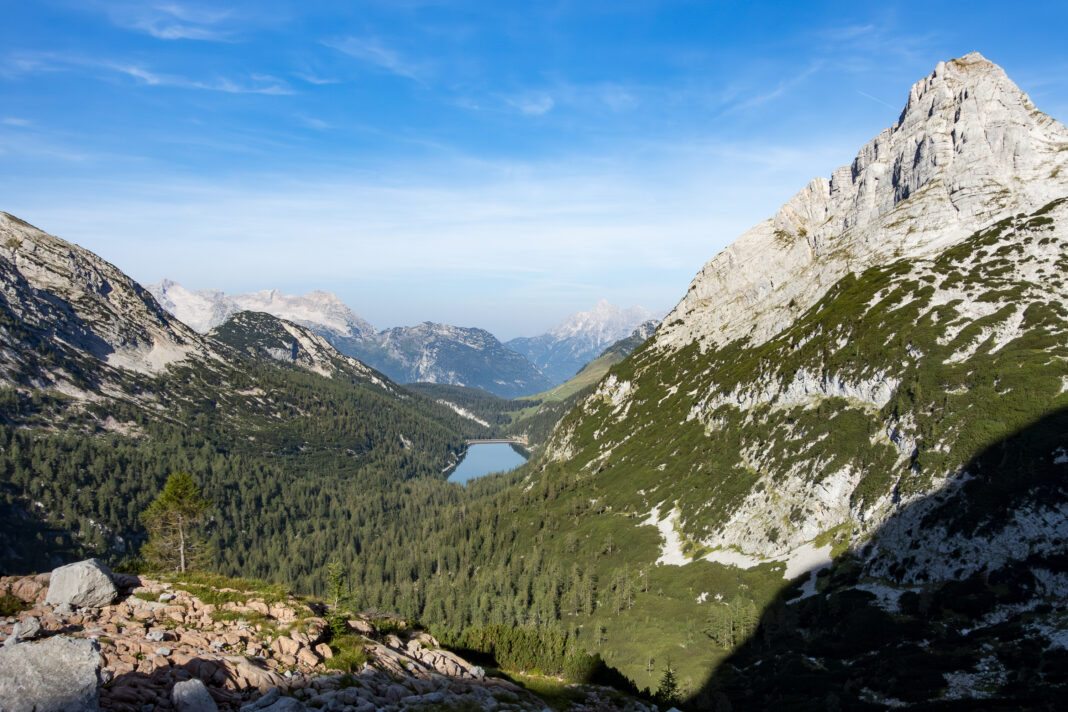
[(427, 352), (580, 338), (452, 355)]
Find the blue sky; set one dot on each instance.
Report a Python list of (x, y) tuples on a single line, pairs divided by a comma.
[(493, 164)]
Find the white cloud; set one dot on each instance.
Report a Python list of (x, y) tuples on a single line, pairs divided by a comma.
[(373, 51), (171, 21), (535, 104), (258, 84), (315, 79), (54, 62), (781, 88), (314, 123)]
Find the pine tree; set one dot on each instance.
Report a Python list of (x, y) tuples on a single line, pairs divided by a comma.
[(667, 694), (171, 521)]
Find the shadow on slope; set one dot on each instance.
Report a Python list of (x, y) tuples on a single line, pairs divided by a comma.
[(951, 607)]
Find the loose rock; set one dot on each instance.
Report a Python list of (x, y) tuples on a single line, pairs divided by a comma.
[(86, 584), (192, 696)]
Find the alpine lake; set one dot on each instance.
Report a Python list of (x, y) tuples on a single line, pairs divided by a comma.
[(485, 458)]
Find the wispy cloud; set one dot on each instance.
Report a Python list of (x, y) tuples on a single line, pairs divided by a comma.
[(848, 32), (314, 123), (53, 62), (535, 104), (16, 121), (315, 79), (783, 87), (172, 21), (877, 99), (373, 51), (256, 84)]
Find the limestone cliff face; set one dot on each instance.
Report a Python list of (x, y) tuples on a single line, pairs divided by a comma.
[(57, 295), (968, 149)]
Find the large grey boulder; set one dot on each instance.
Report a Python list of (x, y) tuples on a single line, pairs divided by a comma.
[(57, 675), (86, 584), (192, 696)]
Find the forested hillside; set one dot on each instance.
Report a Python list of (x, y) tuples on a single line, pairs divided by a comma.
[(104, 395)]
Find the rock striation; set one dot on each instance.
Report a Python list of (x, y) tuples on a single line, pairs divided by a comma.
[(69, 304)]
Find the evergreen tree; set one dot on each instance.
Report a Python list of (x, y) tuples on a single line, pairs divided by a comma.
[(667, 694), (171, 521)]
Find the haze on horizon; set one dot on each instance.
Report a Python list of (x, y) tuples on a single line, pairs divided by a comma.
[(462, 162)]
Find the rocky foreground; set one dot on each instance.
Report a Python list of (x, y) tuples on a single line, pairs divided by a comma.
[(87, 639)]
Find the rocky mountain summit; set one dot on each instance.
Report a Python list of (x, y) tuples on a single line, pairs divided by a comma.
[(580, 338), (969, 149), (208, 308), (884, 247), (86, 639)]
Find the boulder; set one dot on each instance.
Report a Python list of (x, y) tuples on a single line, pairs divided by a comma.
[(285, 646), (57, 675), (192, 696), (86, 584), (361, 626)]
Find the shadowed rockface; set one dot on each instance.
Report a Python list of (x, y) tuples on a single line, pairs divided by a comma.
[(891, 628)]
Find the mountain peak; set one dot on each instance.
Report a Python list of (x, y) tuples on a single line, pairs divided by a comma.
[(207, 308), (605, 322), (968, 149)]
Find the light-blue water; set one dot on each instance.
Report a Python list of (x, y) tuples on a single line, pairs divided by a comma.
[(482, 459)]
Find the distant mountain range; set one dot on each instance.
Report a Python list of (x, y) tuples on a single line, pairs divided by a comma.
[(580, 338), (427, 352)]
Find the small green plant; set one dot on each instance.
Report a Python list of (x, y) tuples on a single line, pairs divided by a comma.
[(11, 605), (348, 660)]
